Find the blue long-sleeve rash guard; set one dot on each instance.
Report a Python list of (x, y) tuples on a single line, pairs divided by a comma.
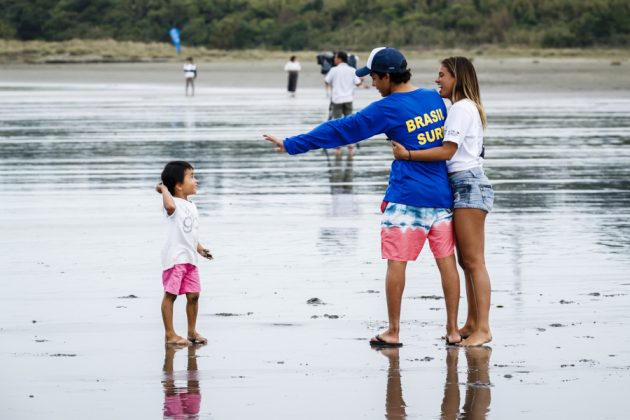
[(414, 119)]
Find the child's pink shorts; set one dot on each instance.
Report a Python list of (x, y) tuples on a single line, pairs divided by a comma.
[(175, 406), (180, 279)]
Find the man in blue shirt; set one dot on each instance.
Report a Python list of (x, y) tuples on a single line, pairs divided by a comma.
[(417, 203)]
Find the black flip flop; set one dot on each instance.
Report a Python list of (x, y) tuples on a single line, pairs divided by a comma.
[(379, 342)]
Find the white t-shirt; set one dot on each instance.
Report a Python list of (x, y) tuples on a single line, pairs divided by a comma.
[(292, 66), (463, 126), (190, 71), (182, 235), (343, 81)]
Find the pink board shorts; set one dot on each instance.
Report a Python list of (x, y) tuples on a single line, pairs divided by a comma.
[(405, 229), (181, 278)]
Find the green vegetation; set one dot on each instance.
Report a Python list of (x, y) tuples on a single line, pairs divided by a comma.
[(111, 51), (325, 24)]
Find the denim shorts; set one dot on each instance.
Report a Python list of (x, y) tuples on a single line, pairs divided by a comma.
[(471, 190)]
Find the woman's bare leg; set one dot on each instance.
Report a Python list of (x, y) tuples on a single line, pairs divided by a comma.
[(469, 232), (471, 315)]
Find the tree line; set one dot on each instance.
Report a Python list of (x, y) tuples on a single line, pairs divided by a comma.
[(325, 24)]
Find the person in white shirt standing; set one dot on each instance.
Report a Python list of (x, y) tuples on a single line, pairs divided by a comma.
[(341, 81), (292, 67), (180, 274), (190, 73), (473, 195)]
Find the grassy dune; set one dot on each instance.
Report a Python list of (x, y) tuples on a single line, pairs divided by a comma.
[(110, 51)]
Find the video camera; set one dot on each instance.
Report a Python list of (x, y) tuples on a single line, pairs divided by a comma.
[(325, 61)]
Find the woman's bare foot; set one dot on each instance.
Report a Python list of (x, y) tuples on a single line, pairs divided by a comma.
[(197, 338), (478, 338), (466, 330), (175, 340)]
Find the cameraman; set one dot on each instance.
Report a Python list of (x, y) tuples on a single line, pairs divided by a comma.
[(341, 81)]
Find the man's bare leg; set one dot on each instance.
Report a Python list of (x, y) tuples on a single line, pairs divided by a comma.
[(450, 288), (394, 402), (394, 287), (451, 400)]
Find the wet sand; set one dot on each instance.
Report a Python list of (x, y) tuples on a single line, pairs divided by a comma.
[(82, 147)]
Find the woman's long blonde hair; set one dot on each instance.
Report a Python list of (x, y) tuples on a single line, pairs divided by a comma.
[(466, 84)]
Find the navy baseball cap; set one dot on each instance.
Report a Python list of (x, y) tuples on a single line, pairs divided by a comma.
[(384, 60)]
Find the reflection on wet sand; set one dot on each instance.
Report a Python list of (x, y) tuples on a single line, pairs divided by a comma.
[(557, 244), (478, 391), (181, 402), (340, 238), (341, 174), (395, 407), (341, 178), (478, 387)]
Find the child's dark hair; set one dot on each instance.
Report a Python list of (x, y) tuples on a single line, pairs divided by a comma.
[(174, 173)]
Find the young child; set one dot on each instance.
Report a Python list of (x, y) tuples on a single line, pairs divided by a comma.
[(179, 255)]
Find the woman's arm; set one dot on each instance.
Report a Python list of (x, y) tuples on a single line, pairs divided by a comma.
[(444, 152)]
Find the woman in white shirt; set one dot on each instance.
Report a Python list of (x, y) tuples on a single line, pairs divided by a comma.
[(293, 68), (473, 196)]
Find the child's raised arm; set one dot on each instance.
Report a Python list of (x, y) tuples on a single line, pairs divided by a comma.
[(167, 198)]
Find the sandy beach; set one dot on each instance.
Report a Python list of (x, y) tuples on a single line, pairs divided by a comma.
[(82, 147), (577, 74)]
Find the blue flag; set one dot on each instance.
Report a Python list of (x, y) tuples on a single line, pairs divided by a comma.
[(174, 33)]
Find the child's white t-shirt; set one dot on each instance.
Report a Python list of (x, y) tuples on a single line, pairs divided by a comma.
[(182, 235), (463, 126)]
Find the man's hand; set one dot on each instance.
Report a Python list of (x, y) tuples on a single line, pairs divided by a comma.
[(400, 153), (159, 187), (276, 141)]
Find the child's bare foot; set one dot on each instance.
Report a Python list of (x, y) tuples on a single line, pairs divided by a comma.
[(478, 338), (197, 338), (176, 340)]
